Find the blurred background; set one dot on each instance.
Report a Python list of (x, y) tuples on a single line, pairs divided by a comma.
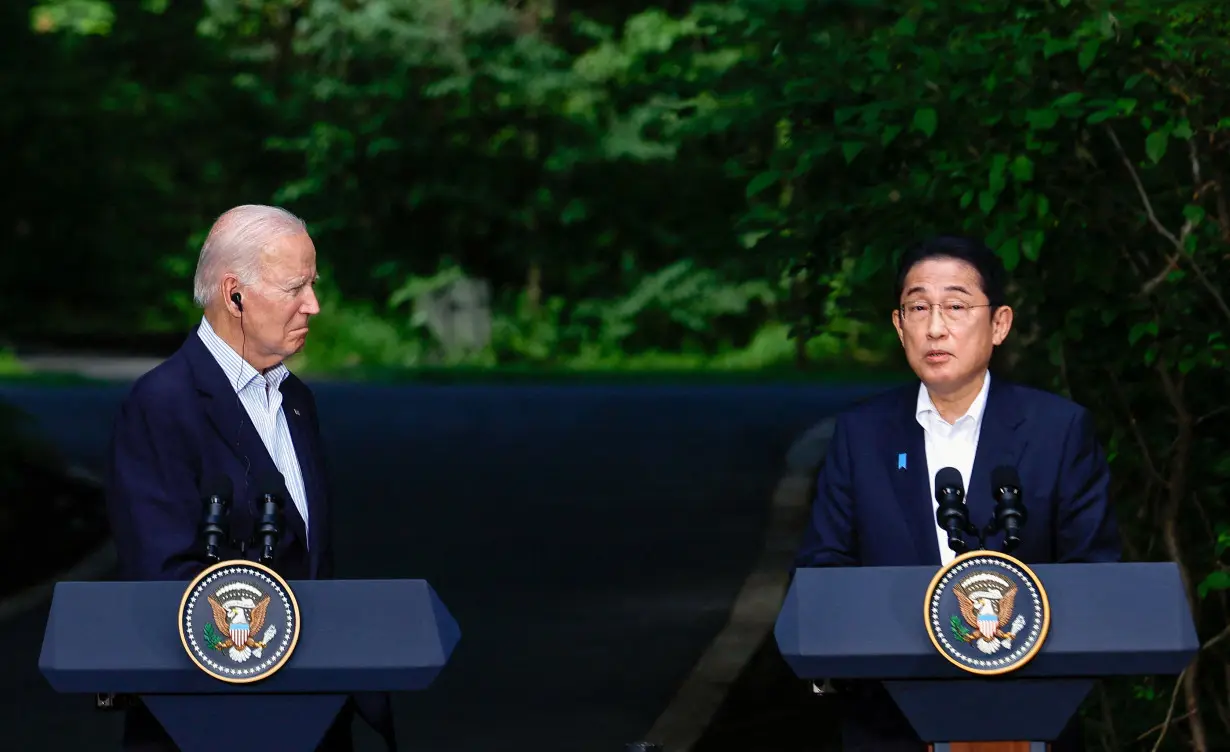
[(681, 216)]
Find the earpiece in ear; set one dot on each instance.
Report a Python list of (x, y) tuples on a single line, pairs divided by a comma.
[(238, 300)]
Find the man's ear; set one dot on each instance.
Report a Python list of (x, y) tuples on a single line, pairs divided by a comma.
[(1001, 324), (229, 288)]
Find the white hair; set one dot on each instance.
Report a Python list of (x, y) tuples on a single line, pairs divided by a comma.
[(234, 246)]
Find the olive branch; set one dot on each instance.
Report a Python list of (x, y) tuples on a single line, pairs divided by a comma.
[(214, 639), (959, 630)]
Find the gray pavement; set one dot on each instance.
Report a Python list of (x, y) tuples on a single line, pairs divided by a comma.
[(589, 540)]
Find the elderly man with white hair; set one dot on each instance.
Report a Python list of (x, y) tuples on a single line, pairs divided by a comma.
[(226, 406)]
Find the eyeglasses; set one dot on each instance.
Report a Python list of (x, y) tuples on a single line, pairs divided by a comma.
[(954, 312)]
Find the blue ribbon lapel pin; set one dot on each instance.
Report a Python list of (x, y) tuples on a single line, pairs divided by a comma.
[(901, 461)]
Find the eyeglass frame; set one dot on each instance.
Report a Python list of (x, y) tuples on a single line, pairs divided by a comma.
[(932, 306)]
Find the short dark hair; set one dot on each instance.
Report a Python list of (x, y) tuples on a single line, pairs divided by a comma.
[(973, 252)]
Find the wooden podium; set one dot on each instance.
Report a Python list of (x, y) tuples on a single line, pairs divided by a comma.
[(991, 747)]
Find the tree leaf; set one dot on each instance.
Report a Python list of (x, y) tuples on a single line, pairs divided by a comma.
[(1218, 580), (997, 177), (1042, 120), (1069, 99), (926, 121), (1155, 145), (1089, 51), (762, 181), (1031, 246), (1010, 252), (1140, 329), (986, 201), (1023, 168)]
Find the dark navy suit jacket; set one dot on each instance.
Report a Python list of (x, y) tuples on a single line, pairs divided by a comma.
[(182, 425), (870, 512)]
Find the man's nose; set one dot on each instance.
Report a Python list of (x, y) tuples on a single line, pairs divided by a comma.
[(936, 325), (311, 305)]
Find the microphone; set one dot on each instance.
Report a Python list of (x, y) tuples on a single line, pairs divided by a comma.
[(217, 503), (952, 514), (1010, 515), (270, 526)]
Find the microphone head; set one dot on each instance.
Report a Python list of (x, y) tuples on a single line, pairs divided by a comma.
[(271, 489), (1005, 476), (219, 485), (949, 477)]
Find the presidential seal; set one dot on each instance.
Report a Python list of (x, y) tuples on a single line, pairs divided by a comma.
[(986, 612), (239, 621)]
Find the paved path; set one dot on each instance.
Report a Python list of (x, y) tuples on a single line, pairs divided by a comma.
[(590, 541)]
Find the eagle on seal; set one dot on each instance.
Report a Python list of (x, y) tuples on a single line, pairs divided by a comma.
[(233, 620), (986, 602)]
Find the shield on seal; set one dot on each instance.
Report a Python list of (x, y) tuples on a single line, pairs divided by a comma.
[(239, 611), (986, 624)]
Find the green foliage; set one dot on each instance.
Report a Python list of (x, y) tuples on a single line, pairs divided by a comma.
[(9, 364), (679, 317), (960, 632), (76, 16)]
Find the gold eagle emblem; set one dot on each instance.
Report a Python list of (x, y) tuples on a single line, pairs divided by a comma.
[(987, 601), (226, 619)]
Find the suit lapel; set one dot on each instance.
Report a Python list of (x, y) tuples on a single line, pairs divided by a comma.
[(302, 434), (906, 460), (230, 419), (999, 443)]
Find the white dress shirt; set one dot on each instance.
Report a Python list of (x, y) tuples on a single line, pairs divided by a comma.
[(950, 445), (261, 398)]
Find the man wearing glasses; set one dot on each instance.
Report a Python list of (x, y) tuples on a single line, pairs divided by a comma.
[(875, 499)]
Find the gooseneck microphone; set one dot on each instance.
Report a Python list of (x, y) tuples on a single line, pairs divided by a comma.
[(952, 514), (270, 527), (1010, 515), (217, 501)]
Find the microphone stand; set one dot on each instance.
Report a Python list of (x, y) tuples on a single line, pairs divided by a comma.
[(982, 534), (213, 527), (270, 526)]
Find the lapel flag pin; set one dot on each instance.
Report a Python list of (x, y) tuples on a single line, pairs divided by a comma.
[(901, 461)]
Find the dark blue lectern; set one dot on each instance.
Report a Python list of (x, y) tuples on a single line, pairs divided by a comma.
[(357, 636), (1106, 620)]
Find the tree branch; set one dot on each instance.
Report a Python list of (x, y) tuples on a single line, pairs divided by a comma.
[(1219, 637), (1179, 242), (1212, 413), (1223, 211), (1164, 726), (1174, 695), (1177, 492), (1134, 425), (1110, 736)]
